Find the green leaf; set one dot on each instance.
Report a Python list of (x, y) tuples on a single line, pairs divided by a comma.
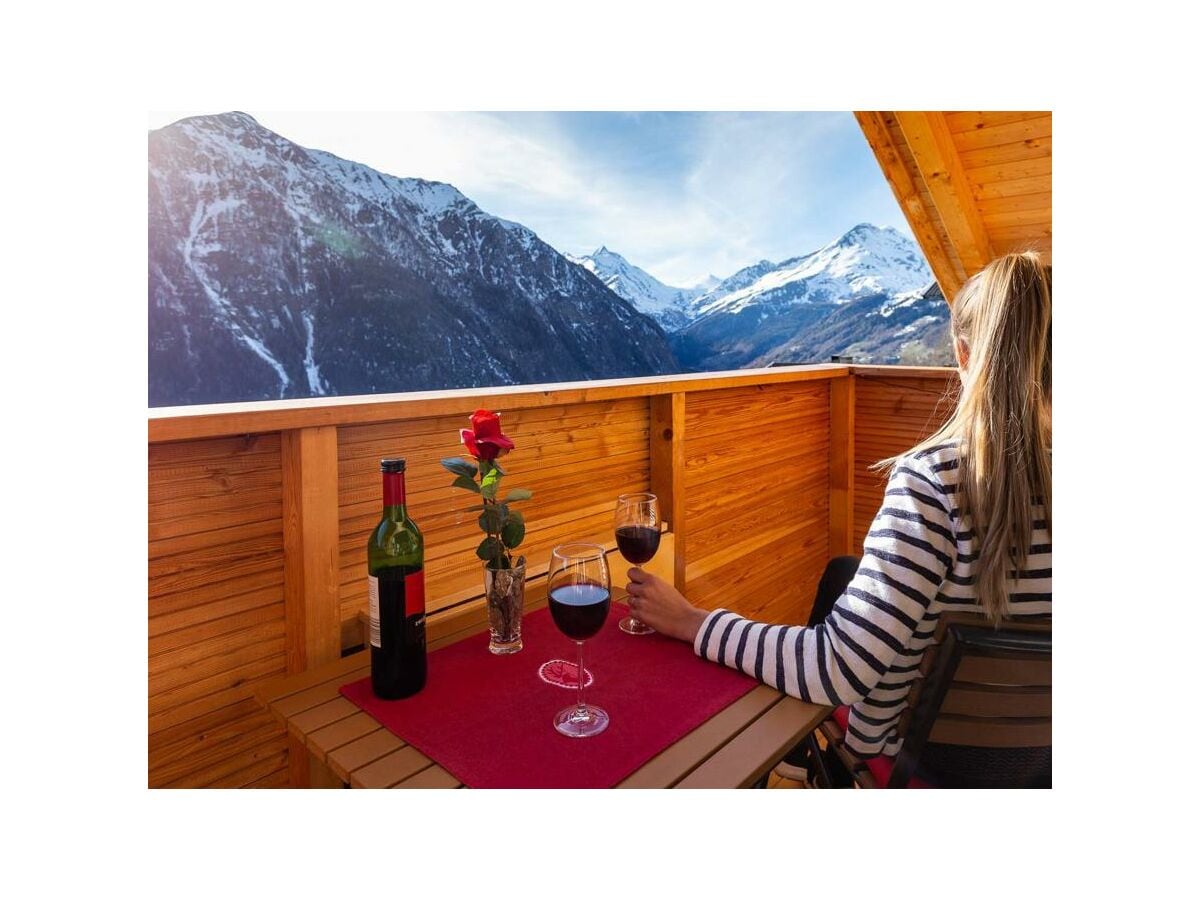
[(519, 494), (458, 466), (491, 482), (492, 518), (467, 484), (496, 466), (513, 531), (489, 549)]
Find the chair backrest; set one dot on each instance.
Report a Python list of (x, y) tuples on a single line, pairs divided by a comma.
[(980, 715)]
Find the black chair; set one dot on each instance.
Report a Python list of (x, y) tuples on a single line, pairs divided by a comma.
[(978, 715)]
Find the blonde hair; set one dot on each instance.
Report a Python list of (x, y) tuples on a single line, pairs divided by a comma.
[(1002, 419)]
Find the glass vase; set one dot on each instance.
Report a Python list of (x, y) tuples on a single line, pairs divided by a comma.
[(505, 602)]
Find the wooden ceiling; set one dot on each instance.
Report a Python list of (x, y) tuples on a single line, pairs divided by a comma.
[(973, 185)]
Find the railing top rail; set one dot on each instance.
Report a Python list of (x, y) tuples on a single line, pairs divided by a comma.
[(177, 423)]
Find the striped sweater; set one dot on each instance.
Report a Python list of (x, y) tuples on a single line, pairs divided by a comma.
[(918, 561)]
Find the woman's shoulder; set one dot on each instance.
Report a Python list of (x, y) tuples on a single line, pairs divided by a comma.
[(940, 459)]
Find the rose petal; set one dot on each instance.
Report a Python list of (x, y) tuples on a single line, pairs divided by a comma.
[(468, 439), (486, 424)]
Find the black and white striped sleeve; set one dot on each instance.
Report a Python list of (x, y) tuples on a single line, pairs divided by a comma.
[(906, 557)]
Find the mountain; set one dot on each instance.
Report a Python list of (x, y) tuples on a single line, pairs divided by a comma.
[(863, 294), (669, 306), (277, 271)]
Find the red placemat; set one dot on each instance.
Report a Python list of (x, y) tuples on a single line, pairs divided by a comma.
[(488, 720)]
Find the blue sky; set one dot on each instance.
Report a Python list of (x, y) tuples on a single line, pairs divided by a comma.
[(681, 194)]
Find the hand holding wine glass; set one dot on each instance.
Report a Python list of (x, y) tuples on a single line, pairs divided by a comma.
[(579, 599), (638, 533)]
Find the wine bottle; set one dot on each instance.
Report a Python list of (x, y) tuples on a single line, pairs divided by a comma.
[(396, 593)]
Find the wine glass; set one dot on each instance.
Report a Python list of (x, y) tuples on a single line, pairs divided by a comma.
[(579, 598), (638, 533)]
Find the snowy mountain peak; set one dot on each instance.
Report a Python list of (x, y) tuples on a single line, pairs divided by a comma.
[(666, 304)]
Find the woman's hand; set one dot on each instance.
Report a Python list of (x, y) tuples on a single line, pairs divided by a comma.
[(659, 605)]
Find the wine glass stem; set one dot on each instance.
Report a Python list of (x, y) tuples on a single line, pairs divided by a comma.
[(579, 678)]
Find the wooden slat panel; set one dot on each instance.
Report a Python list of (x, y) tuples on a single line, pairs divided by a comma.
[(757, 498), (553, 445), (891, 416), (1017, 187), (970, 731), (215, 598)]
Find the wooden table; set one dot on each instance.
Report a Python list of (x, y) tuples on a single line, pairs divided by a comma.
[(735, 748)]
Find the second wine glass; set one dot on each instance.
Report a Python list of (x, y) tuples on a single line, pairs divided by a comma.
[(638, 533), (579, 597)]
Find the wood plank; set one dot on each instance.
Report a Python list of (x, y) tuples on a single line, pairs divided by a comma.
[(841, 467), (310, 546), (1017, 187), (933, 148), (433, 777), (324, 740), (390, 769), (971, 731), (1005, 153), (759, 746), (298, 702), (985, 700), (999, 205), (285, 686), (907, 194), (1017, 170), (182, 423), (696, 746), (974, 121), (668, 418), (353, 756), (998, 221), (303, 723), (1004, 133)]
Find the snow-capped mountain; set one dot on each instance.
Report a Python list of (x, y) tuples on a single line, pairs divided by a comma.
[(813, 306), (669, 306), (277, 271)]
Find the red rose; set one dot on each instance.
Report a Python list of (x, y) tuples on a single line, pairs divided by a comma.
[(483, 439)]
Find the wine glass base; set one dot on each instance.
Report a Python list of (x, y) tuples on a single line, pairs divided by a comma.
[(630, 625), (579, 723)]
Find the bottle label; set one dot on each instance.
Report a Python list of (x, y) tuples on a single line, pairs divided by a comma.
[(373, 608), (414, 593)]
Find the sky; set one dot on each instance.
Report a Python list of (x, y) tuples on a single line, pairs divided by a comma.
[(681, 194)]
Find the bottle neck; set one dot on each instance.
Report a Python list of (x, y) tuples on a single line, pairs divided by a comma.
[(393, 496)]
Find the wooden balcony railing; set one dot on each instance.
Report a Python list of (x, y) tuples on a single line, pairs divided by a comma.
[(259, 512)]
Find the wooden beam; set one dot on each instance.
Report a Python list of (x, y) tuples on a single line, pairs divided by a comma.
[(929, 140), (841, 467), (908, 195), (666, 470), (310, 562)]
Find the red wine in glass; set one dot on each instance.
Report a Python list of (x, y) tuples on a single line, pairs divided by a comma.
[(580, 593), (638, 534)]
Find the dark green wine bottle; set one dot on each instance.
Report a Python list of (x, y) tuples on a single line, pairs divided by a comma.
[(396, 592)]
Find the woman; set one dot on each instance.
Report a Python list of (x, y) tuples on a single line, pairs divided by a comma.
[(965, 524)]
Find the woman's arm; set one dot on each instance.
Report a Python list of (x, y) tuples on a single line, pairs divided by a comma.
[(906, 556)]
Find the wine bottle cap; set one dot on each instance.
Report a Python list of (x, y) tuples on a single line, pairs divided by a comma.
[(391, 465)]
